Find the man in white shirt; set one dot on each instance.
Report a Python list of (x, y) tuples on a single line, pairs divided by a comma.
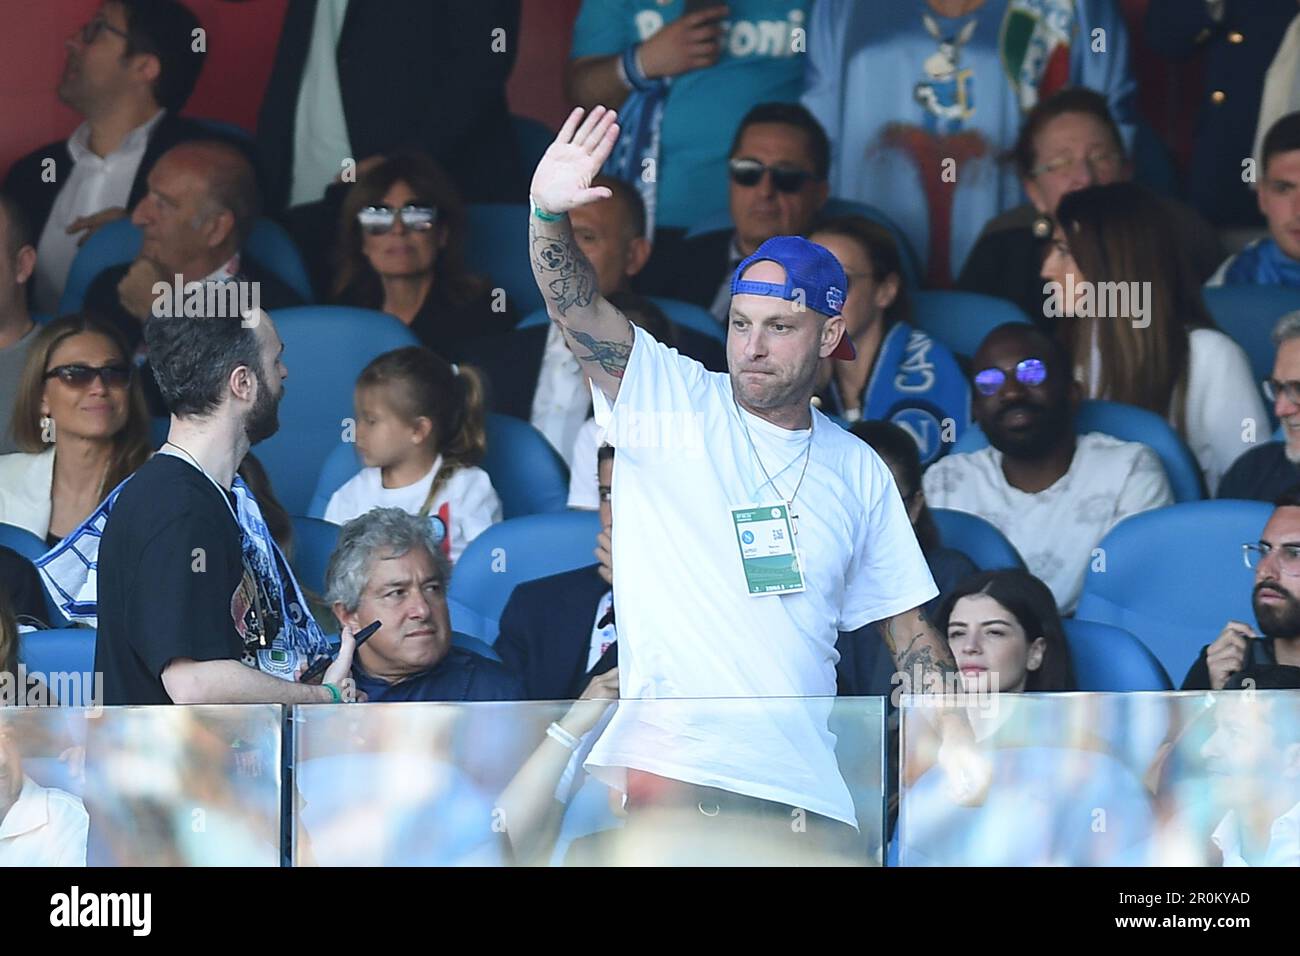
[(748, 528), (38, 826), (1054, 495), (129, 70)]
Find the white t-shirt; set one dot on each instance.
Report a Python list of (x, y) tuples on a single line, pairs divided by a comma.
[(584, 482), (1055, 529), (688, 627), (45, 827), (1222, 396), (467, 503)]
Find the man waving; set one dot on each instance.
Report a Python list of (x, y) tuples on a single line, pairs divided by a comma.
[(748, 528)]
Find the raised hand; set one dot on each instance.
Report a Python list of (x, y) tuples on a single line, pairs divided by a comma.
[(562, 180)]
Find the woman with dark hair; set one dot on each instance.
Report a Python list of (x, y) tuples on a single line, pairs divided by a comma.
[(1132, 316), (900, 373), (865, 667), (401, 250), (81, 423), (1005, 633)]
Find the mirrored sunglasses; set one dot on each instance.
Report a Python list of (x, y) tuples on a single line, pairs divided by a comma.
[(377, 220), (1030, 372)]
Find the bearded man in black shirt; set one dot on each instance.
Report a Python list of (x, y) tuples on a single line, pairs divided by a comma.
[(196, 602)]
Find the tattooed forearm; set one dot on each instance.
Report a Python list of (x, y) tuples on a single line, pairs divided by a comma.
[(565, 276), (920, 653), (610, 356)]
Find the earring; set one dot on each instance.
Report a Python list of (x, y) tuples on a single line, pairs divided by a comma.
[(47, 429), (1042, 227)]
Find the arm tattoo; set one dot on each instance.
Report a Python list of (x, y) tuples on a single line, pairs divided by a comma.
[(918, 650), (561, 267), (611, 356)]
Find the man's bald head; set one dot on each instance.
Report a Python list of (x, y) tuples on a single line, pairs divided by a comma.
[(231, 183)]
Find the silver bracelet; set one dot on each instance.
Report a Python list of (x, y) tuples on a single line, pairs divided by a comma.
[(566, 739)]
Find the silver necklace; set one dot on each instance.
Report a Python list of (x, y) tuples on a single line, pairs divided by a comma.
[(807, 455)]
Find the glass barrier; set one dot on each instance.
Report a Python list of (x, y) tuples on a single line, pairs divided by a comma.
[(141, 786), (1138, 779), (496, 784)]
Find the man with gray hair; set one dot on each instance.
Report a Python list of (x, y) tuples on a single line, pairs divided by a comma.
[(1263, 473), (387, 567)]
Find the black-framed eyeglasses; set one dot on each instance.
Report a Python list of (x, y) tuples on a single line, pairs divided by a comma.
[(749, 172), (80, 376), (1273, 389), (377, 220), (1030, 371), (95, 26)]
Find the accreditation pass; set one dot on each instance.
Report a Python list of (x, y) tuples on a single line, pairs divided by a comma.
[(767, 549)]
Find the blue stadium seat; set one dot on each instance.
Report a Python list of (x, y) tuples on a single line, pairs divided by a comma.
[(529, 477), (686, 314), (64, 651), (313, 543), (31, 547), (1108, 658), (977, 539), (1174, 576), (1127, 423), (340, 465), (533, 138), (482, 648), (512, 552), (42, 318), (325, 349), (497, 247), (961, 320), (119, 242), (911, 264), (1247, 313)]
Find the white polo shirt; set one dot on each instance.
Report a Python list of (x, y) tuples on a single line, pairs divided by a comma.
[(46, 827), (688, 627)]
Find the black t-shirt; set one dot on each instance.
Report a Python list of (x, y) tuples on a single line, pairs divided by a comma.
[(1261, 654), (170, 580), (19, 580), (1261, 474)]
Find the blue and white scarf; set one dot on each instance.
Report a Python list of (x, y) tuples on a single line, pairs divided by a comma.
[(635, 159), (70, 574), (916, 383), (1263, 263)]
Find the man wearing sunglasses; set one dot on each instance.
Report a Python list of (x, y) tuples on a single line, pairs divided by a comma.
[(777, 170), (1275, 599), (738, 556), (1263, 473), (129, 71), (1054, 494)]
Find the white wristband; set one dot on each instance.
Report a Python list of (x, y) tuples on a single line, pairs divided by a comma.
[(566, 739)]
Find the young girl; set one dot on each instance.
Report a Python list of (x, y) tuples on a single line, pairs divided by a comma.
[(421, 433)]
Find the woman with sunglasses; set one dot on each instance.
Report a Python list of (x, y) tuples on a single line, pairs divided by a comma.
[(1153, 346), (400, 250), (81, 422)]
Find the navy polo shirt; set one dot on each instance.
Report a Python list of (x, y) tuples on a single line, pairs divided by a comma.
[(460, 676)]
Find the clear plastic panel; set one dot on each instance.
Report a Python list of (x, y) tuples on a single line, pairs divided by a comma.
[(1139, 779), (486, 784)]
